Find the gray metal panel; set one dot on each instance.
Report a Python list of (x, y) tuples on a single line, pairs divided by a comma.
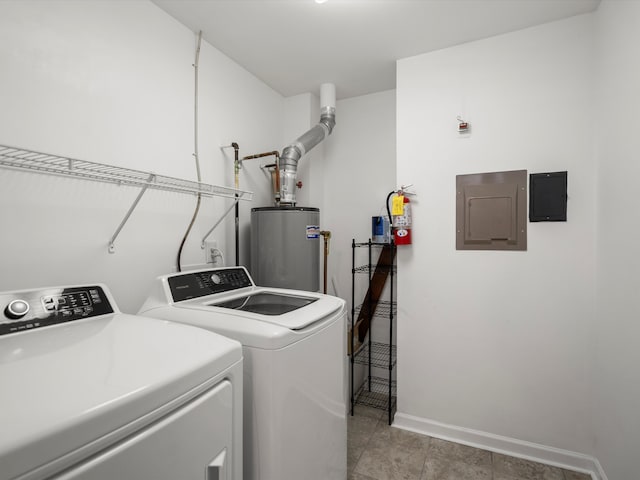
[(491, 211), (282, 254)]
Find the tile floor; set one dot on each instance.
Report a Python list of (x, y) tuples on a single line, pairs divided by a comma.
[(379, 452)]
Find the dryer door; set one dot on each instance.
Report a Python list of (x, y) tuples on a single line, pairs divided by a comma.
[(193, 442)]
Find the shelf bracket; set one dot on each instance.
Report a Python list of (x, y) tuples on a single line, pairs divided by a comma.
[(150, 180), (204, 239)]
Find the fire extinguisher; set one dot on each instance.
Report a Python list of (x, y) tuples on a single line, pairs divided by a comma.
[(401, 218)]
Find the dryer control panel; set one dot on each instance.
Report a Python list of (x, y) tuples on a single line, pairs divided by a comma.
[(186, 286), (31, 309)]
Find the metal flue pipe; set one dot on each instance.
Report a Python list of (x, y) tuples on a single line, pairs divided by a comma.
[(292, 153)]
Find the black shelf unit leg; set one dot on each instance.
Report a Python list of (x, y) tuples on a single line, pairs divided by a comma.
[(391, 274), (353, 312), (370, 270)]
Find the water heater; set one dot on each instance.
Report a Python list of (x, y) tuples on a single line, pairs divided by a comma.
[(285, 247)]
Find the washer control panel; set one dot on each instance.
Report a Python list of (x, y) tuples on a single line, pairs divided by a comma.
[(31, 309), (186, 286)]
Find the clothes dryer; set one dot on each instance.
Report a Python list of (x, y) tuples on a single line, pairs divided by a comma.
[(294, 349), (90, 393)]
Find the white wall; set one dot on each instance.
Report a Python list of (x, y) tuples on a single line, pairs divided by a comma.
[(113, 82), (500, 342), (492, 341), (617, 359), (359, 172)]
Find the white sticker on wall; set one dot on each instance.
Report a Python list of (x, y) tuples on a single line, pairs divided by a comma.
[(313, 231)]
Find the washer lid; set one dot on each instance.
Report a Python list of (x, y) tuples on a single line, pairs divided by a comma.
[(268, 303), (290, 309), (69, 385)]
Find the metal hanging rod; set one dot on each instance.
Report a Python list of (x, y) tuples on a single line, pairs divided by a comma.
[(227, 212), (38, 162)]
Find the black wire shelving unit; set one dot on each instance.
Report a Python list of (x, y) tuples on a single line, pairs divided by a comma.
[(377, 391)]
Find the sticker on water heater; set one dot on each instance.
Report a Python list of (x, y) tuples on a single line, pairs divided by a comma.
[(313, 231)]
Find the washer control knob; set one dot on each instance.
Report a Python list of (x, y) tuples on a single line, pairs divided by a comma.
[(16, 309), (215, 278)]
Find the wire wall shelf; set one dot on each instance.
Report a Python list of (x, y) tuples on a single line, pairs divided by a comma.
[(18, 158), (37, 162)]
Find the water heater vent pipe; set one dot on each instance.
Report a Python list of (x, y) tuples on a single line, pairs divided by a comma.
[(292, 153)]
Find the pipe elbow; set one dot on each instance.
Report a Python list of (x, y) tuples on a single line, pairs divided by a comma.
[(291, 154), (328, 118)]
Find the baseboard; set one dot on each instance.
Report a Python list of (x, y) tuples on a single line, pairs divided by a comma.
[(505, 445), (601, 474)]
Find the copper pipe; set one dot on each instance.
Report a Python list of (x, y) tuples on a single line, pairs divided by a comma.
[(326, 235), (277, 165), (278, 175), (260, 155)]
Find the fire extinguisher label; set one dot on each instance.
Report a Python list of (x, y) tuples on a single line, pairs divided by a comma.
[(402, 221), (397, 205), (313, 231), (402, 232)]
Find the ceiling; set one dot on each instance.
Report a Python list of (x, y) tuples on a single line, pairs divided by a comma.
[(296, 45)]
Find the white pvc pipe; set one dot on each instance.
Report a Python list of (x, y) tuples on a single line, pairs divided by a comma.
[(327, 95)]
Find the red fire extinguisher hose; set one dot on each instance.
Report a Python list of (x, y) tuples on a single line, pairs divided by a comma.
[(388, 209)]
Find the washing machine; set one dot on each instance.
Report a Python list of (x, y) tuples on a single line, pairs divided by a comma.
[(294, 349), (90, 393)]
